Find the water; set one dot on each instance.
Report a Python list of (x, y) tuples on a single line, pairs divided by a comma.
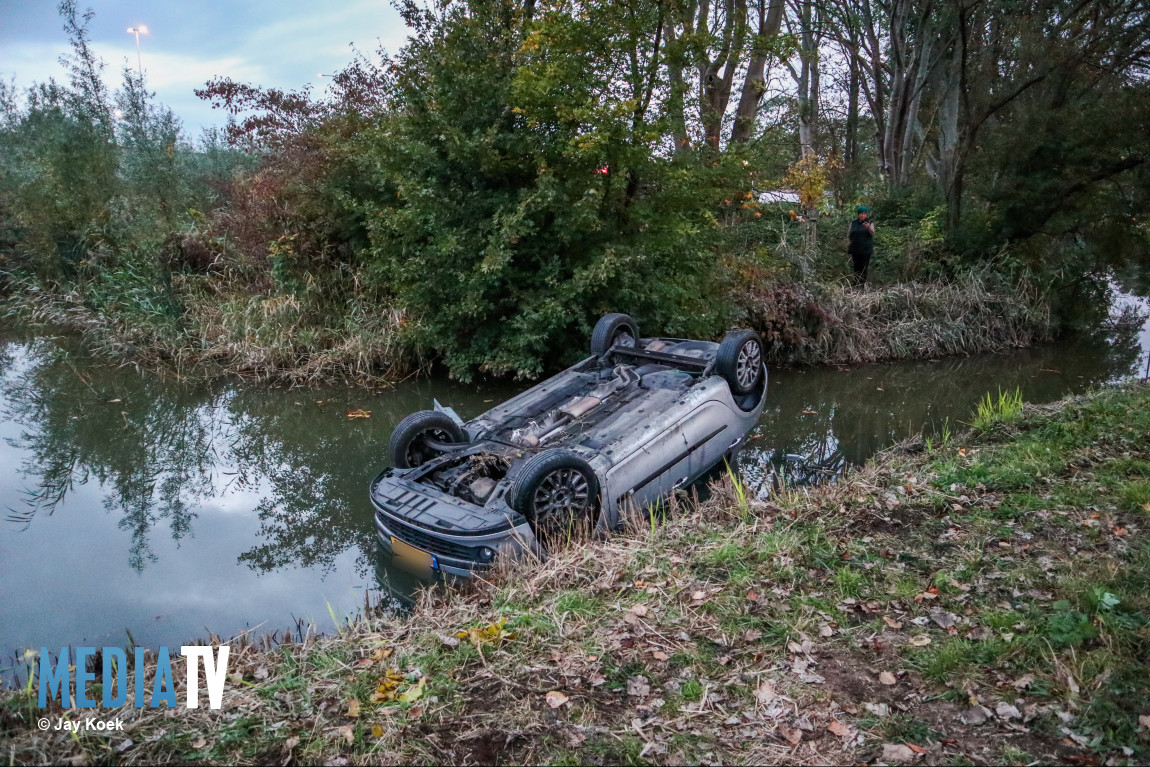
[(168, 510)]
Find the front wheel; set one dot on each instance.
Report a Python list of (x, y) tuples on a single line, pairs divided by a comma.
[(558, 493), (422, 436), (740, 361)]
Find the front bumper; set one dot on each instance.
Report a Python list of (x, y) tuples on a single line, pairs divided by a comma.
[(450, 554)]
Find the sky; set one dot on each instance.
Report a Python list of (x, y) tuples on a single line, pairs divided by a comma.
[(272, 43)]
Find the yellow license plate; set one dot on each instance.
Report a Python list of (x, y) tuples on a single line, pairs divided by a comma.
[(410, 558)]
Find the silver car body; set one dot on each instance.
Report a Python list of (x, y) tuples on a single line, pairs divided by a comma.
[(658, 421)]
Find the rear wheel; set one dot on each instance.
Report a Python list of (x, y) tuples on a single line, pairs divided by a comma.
[(612, 330), (558, 493), (740, 361), (421, 436)]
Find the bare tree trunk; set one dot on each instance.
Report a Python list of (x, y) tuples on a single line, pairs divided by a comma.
[(850, 147), (716, 76), (676, 114), (754, 84)]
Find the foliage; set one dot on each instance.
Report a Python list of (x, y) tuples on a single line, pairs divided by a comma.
[(527, 200)]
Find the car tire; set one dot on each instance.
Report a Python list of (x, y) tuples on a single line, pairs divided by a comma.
[(558, 493), (409, 442), (740, 361), (612, 329)]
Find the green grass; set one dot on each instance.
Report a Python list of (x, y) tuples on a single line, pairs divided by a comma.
[(1006, 408)]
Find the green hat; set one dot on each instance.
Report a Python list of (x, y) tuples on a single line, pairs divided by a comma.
[(861, 209)]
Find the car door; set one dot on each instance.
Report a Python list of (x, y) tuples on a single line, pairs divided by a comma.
[(651, 471), (708, 432)]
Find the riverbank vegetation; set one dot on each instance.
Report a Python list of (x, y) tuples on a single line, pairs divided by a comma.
[(979, 598), (479, 197)]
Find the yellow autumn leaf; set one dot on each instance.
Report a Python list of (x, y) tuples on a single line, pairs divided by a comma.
[(414, 692), (381, 653), (376, 731), (353, 707)]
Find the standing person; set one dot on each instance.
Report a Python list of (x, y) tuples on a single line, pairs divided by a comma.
[(861, 245)]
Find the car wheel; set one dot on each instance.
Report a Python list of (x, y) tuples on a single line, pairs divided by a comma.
[(611, 330), (740, 361), (558, 493), (416, 439)]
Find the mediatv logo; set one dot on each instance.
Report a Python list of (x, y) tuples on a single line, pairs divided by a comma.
[(55, 683)]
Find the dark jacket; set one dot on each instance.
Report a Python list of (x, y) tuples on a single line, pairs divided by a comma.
[(861, 240)]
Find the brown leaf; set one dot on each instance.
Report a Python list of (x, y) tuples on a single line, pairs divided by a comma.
[(752, 635), (199, 743), (555, 699), (359, 413), (887, 678), (891, 622), (897, 753), (353, 707), (916, 749), (347, 732), (1023, 682), (765, 693), (794, 737), (381, 653), (698, 596), (660, 655), (920, 640), (291, 743), (838, 728), (639, 610), (638, 686)]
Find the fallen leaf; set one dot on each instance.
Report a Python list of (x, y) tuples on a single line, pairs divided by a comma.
[(794, 737), (381, 653), (826, 631), (887, 678), (1144, 721), (414, 692), (838, 728), (291, 743), (920, 640), (123, 746), (698, 596), (765, 693), (896, 752), (878, 388), (1023, 682), (891, 622), (810, 412), (878, 709), (376, 731), (752, 635), (359, 413), (493, 632), (555, 699), (916, 749), (353, 707), (347, 732), (976, 715), (639, 610), (1007, 711), (638, 686), (660, 655), (199, 743)]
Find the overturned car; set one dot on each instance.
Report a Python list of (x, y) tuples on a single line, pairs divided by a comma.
[(619, 431)]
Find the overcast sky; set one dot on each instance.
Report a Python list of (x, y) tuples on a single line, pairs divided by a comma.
[(273, 43)]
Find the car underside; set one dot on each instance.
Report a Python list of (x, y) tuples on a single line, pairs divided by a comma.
[(618, 431)]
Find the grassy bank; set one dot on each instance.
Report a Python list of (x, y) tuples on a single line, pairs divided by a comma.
[(985, 599), (202, 327)]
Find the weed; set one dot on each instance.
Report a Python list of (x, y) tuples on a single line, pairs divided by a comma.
[(1007, 408)]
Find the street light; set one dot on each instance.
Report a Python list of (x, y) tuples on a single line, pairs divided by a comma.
[(137, 31)]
